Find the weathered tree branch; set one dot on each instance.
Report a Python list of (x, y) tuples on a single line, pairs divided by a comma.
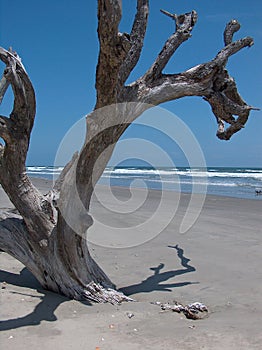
[(16, 131), (5, 129), (184, 26), (136, 39), (224, 98), (4, 83), (232, 49), (231, 28), (114, 47), (23, 113), (3, 87), (209, 80), (61, 178)]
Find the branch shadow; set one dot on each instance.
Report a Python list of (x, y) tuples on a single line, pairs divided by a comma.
[(153, 283), (49, 301), (43, 311)]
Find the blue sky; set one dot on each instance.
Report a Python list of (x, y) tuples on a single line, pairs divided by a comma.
[(57, 41)]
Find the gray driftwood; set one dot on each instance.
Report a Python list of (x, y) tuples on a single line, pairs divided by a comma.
[(39, 235)]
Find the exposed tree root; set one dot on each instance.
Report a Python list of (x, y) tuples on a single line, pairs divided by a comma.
[(99, 294)]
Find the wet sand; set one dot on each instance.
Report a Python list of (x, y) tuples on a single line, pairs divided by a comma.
[(217, 262)]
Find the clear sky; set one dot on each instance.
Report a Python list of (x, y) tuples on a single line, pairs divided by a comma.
[(57, 41)]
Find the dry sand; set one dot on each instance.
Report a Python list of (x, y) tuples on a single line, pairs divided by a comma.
[(217, 262)]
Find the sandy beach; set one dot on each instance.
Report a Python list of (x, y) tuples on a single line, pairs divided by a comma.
[(217, 262)]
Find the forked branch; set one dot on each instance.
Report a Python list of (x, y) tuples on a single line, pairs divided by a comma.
[(15, 131), (114, 47), (224, 98), (184, 25), (23, 113), (209, 80), (137, 36)]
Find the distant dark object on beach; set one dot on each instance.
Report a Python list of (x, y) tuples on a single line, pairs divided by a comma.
[(258, 191)]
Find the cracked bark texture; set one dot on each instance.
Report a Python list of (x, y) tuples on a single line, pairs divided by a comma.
[(40, 235)]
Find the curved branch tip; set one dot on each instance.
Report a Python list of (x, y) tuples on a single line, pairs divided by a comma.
[(231, 28)]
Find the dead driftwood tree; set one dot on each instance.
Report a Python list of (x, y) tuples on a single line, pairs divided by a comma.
[(40, 235)]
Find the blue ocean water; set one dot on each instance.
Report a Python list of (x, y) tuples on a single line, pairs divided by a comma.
[(233, 182)]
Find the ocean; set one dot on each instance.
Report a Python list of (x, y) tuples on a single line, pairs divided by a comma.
[(232, 182)]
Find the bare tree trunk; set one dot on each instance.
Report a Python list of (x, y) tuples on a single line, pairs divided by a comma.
[(49, 234)]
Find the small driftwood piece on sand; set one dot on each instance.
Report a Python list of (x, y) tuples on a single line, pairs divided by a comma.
[(194, 311)]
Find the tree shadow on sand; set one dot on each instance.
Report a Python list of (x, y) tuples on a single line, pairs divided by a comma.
[(49, 302), (153, 283), (44, 311)]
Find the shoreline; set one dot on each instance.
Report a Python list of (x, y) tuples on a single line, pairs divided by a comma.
[(229, 182), (44, 185)]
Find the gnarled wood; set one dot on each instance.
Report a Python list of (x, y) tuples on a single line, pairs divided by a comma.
[(184, 25), (15, 131), (136, 36), (231, 28), (47, 263), (114, 47), (3, 87), (56, 255)]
